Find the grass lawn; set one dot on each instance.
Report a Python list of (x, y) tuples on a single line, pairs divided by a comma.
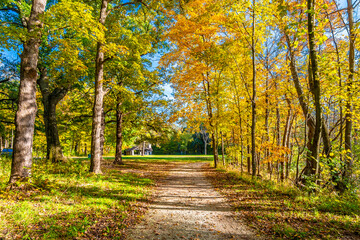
[(65, 201), (177, 158), (280, 212)]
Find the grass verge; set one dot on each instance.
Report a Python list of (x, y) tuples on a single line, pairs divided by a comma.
[(280, 212)]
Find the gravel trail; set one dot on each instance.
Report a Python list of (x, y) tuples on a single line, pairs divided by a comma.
[(186, 206)]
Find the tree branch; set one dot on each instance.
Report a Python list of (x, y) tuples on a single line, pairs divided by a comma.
[(10, 9)]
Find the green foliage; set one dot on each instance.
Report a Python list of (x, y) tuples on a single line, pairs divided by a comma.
[(181, 142)]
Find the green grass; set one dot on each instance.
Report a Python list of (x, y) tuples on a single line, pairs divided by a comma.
[(64, 201), (172, 158)]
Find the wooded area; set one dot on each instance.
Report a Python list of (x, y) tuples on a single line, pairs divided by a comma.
[(269, 88), (273, 82)]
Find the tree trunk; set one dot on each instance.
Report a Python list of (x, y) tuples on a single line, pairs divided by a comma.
[(278, 135), (215, 149), (242, 148), (50, 100), (119, 121), (222, 149), (348, 107), (96, 154), (102, 133), (290, 146), (54, 151), (248, 159), (310, 168), (143, 149), (284, 144), (267, 113), (253, 100), (27, 108), (314, 83)]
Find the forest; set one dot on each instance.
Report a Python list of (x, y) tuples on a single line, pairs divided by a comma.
[(260, 95)]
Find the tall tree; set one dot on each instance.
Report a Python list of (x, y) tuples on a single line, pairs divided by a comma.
[(314, 83), (253, 99), (348, 109), (62, 61), (25, 115), (96, 153)]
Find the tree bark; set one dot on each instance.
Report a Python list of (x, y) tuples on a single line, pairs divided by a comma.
[(348, 107), (222, 149), (215, 149), (96, 154), (102, 135), (277, 134), (310, 168), (50, 100), (27, 108), (119, 121), (242, 147), (284, 144), (314, 83), (143, 149), (253, 100), (267, 113), (248, 159)]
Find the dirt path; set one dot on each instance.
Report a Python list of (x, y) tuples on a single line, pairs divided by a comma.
[(186, 206)]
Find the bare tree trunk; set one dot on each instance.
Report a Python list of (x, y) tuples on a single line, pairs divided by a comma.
[(267, 113), (242, 148), (278, 137), (253, 100), (27, 108), (215, 149), (54, 151), (222, 149), (143, 149), (290, 146), (102, 136), (310, 168), (119, 121), (282, 163), (50, 100), (205, 138), (96, 154), (248, 159), (314, 83), (348, 107)]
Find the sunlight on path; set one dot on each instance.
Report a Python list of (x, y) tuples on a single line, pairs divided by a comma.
[(186, 206)]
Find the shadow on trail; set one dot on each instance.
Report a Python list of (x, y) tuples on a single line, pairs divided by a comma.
[(186, 206)]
